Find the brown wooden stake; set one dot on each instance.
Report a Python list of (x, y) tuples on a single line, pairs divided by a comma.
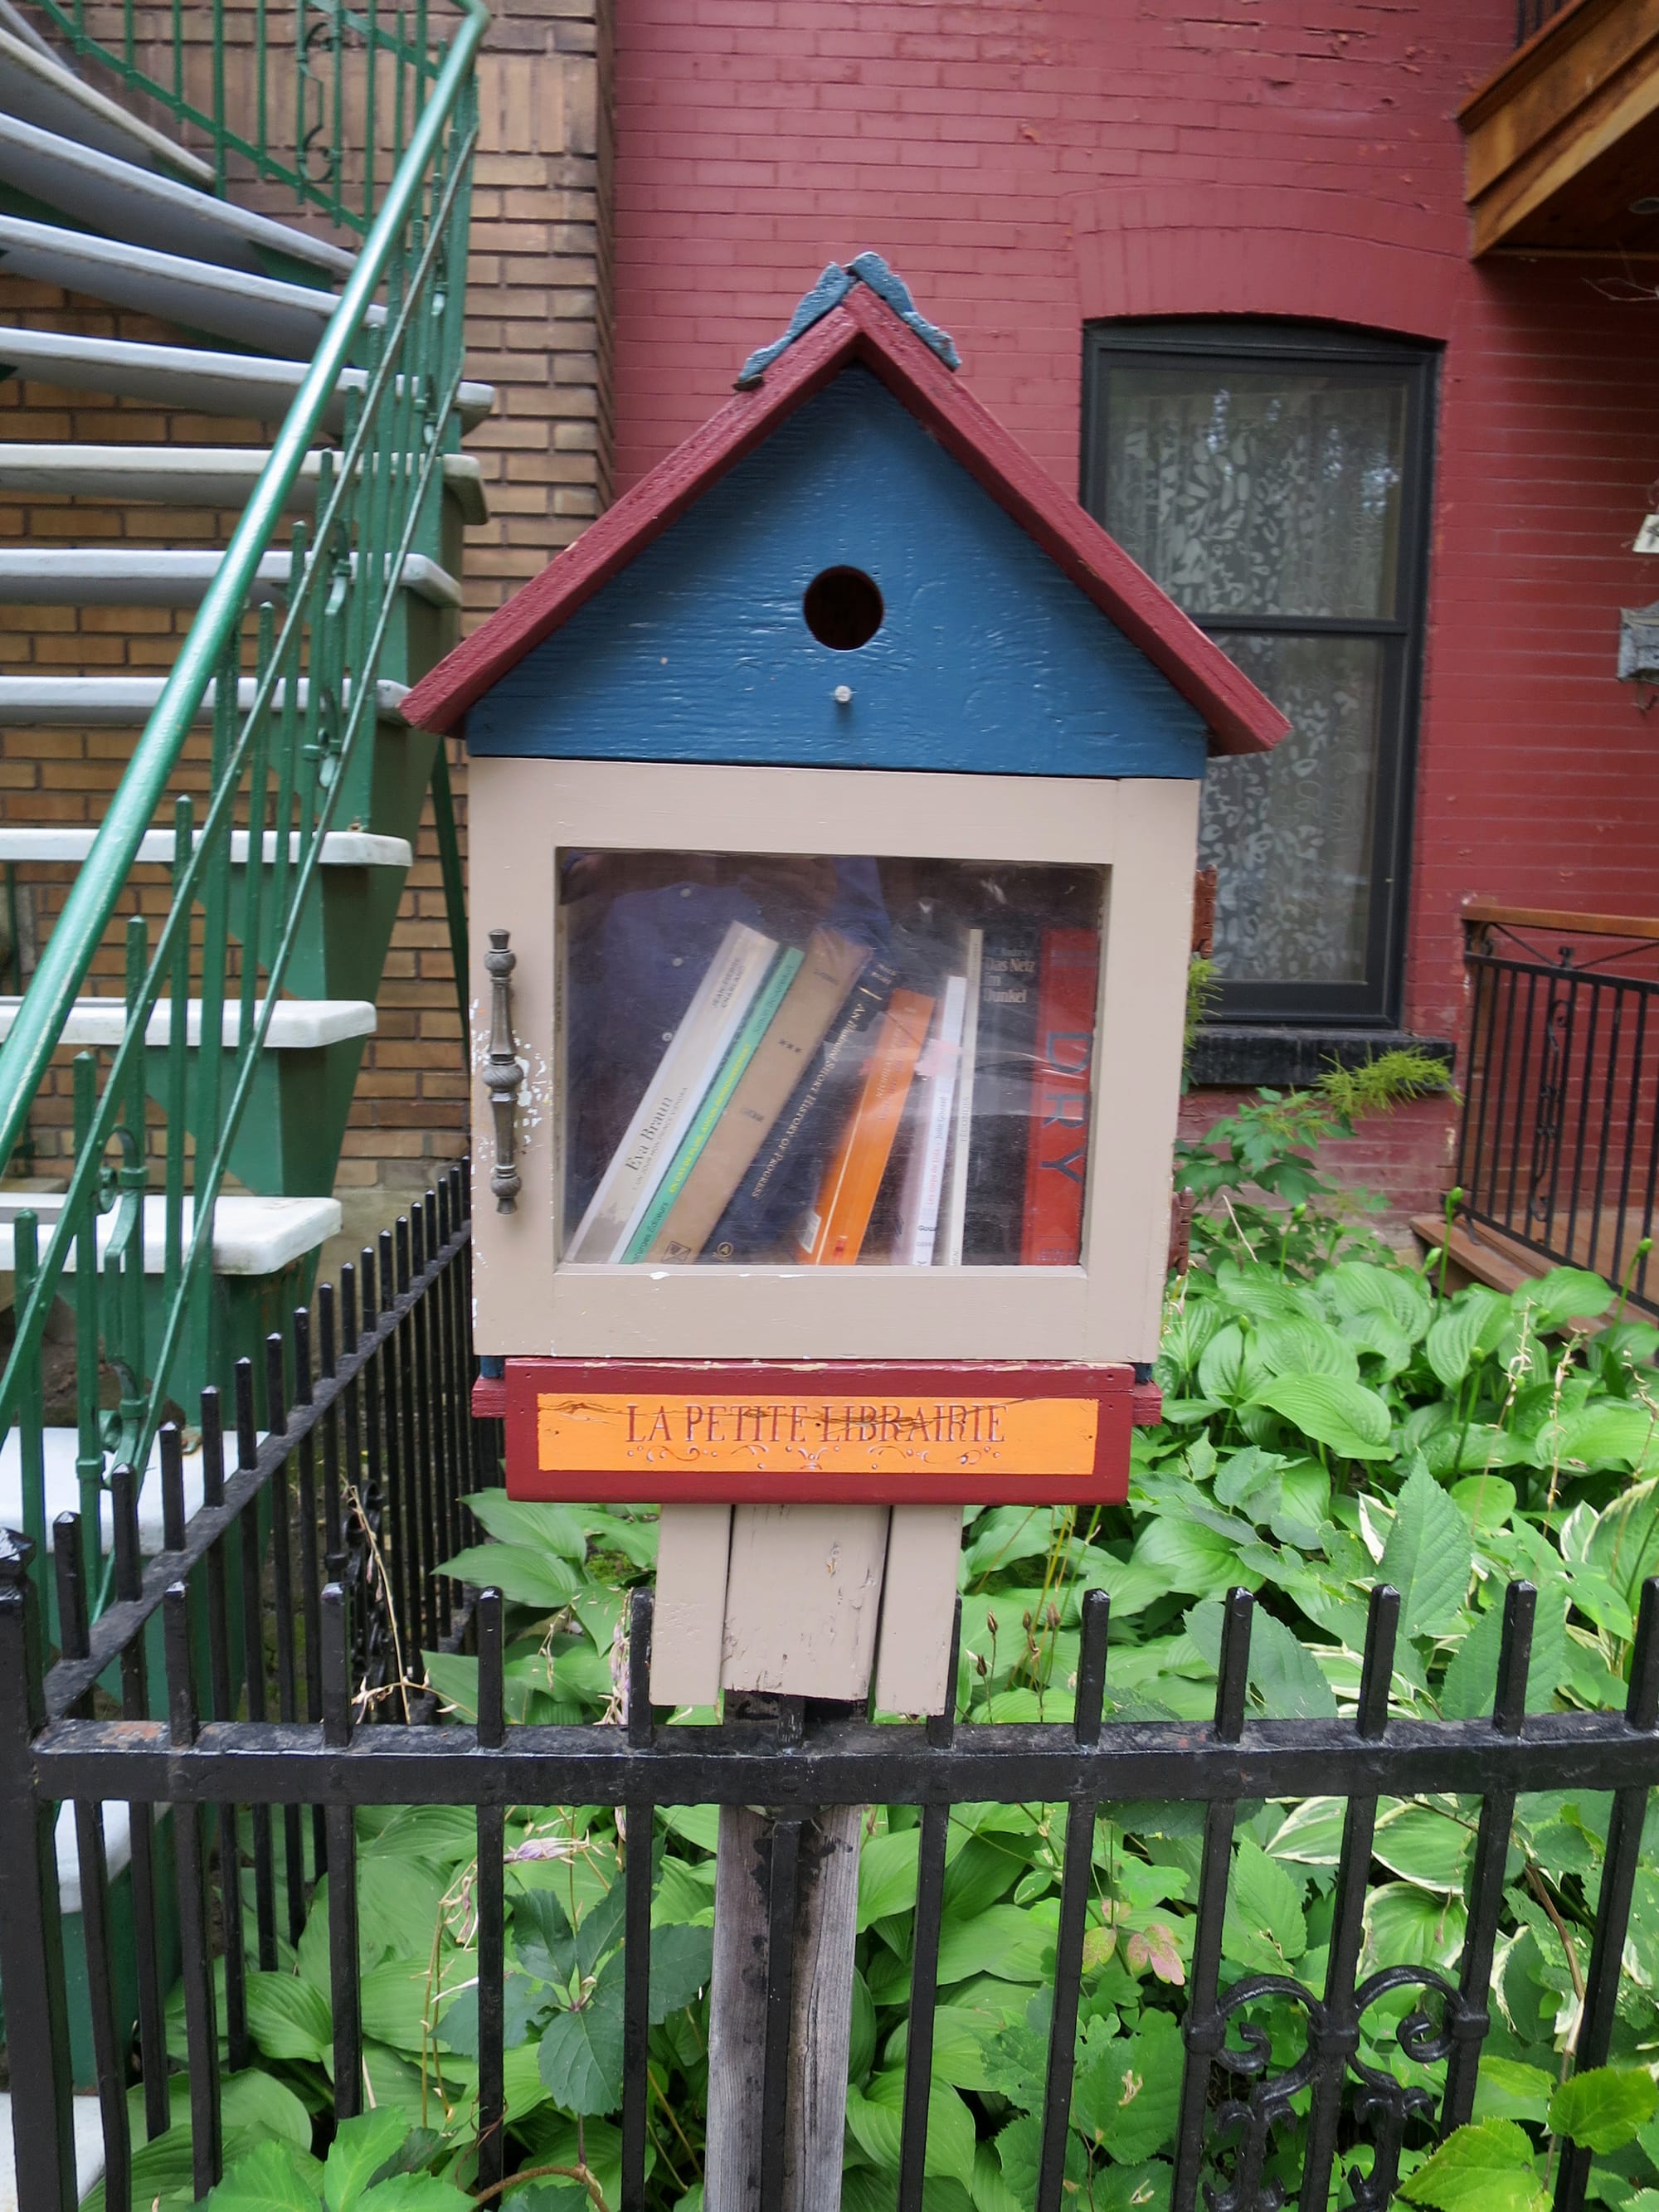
[(820, 2027)]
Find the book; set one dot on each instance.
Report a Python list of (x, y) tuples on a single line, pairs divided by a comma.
[(706, 1119), (822, 979), (1004, 1045), (784, 1172), (1057, 1153), (932, 1097), (832, 1230), (954, 1217), (682, 1075)]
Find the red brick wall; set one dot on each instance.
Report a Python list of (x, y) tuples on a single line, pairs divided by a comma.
[(1029, 166)]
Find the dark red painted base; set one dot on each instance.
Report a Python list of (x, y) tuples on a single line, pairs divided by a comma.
[(1122, 1402)]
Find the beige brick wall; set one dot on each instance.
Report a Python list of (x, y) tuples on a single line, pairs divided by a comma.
[(537, 331)]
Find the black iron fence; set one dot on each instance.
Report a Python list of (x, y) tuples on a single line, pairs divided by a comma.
[(1558, 1142), (292, 1708)]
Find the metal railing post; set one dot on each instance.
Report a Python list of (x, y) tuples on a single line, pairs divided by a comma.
[(31, 1920)]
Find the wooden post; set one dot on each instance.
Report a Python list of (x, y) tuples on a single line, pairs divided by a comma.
[(818, 1971)]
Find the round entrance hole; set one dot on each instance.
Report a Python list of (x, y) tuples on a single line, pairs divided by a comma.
[(844, 609)]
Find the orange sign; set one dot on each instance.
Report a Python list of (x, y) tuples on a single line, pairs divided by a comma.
[(634, 1434)]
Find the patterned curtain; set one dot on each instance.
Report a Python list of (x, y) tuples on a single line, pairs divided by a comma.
[(1275, 492)]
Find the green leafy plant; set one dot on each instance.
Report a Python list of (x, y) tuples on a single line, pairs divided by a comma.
[(1332, 1418)]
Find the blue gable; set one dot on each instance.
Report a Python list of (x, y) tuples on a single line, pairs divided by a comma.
[(987, 659)]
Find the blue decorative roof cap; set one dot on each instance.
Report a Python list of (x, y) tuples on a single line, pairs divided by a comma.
[(829, 292)]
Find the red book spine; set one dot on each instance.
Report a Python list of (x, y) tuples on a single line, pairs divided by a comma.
[(1056, 1158)]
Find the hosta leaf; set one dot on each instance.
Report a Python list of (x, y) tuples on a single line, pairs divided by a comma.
[(1428, 1557), (290, 2018), (394, 2004), (528, 1577), (362, 2147), (444, 1835), (554, 1529), (1625, 1547), (1298, 1346), (1333, 1411), (1227, 1371), (1354, 1287), (455, 1679), (1610, 1433), (1485, 2168), (1014, 1943), (1429, 1848), (1564, 1294), (1455, 1332), (1310, 1834), (875, 2120), (1189, 1556), (1381, 1336), (1603, 2108), (1409, 1927), (1486, 1499), (887, 1875)]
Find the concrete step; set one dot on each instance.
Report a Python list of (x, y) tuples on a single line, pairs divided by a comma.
[(88, 2122), (342, 848), (190, 376), (190, 476), (13, 19), (124, 576), (76, 703), (288, 1142), (260, 312), (296, 1026), (117, 198), (250, 1236), (35, 84)]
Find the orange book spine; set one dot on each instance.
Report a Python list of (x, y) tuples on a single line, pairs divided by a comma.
[(833, 1233)]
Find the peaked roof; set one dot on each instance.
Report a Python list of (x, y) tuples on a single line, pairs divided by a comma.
[(860, 329)]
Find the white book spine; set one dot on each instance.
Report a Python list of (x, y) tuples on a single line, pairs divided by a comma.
[(925, 1183), (674, 1093), (955, 1203)]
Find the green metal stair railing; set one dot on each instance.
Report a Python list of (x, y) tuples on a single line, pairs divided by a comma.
[(287, 764), (317, 111)]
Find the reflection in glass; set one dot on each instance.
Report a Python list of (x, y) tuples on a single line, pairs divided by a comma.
[(782, 1060), (1258, 491), (1289, 832)]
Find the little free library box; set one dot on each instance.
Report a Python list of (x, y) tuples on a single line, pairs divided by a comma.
[(832, 806)]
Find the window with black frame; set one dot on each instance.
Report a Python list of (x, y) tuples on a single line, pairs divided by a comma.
[(1275, 480)]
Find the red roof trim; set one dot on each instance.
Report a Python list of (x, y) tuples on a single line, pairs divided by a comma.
[(1238, 717)]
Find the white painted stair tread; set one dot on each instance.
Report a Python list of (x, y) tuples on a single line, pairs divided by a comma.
[(88, 2148), (120, 199), (252, 1236), (191, 476), (37, 84), (261, 311), (297, 1024), (135, 576), (74, 701), (188, 376), (342, 848)]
